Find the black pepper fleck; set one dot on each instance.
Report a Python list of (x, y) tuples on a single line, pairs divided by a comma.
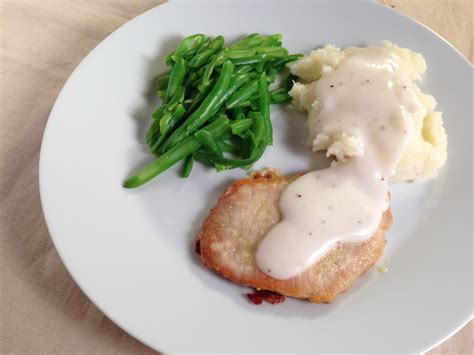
[(269, 270), (359, 222), (310, 233), (331, 86), (404, 87), (333, 185), (383, 179), (298, 195), (368, 80), (323, 221)]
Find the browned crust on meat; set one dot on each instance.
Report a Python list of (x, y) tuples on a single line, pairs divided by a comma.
[(228, 244)]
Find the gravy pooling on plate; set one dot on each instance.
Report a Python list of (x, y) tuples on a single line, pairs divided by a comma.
[(371, 99)]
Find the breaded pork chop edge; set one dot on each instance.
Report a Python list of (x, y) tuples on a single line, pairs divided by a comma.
[(243, 215)]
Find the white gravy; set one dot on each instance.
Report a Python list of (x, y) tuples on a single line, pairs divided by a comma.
[(368, 96)]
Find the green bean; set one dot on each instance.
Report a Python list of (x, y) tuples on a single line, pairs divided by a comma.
[(220, 167), (208, 107), (271, 75), (218, 128), (260, 66), (260, 57), (220, 111), (251, 40), (196, 80), (193, 76), (152, 132), (240, 115), (278, 91), (280, 63), (230, 163), (157, 115), (161, 94), (253, 59), (164, 162), (276, 52), (203, 57), (188, 166), (220, 59), (200, 96), (257, 40), (186, 48), (236, 113), (243, 104), (166, 118), (241, 53), (202, 158), (245, 92), (243, 69), (206, 83), (272, 40), (187, 103), (177, 98), (161, 82), (258, 128), (175, 154), (228, 148), (206, 139), (241, 125), (280, 98), (159, 112), (226, 84), (166, 124), (245, 146), (272, 50), (264, 106), (189, 45), (235, 83), (204, 45), (208, 69), (169, 60), (254, 104), (176, 78), (215, 117)]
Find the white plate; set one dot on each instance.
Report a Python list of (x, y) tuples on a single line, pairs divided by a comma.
[(131, 251)]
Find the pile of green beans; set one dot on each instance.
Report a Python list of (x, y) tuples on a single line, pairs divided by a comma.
[(215, 105)]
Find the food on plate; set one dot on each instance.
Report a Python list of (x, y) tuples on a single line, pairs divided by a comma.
[(258, 296), (231, 234), (215, 104), (313, 235), (425, 152)]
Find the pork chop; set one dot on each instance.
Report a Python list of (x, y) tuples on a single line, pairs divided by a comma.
[(243, 215)]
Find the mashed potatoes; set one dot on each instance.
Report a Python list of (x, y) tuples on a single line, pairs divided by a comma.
[(425, 153)]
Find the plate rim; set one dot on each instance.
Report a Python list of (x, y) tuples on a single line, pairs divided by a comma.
[(77, 69)]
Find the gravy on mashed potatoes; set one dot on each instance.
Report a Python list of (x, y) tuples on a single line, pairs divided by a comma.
[(425, 152), (365, 110)]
